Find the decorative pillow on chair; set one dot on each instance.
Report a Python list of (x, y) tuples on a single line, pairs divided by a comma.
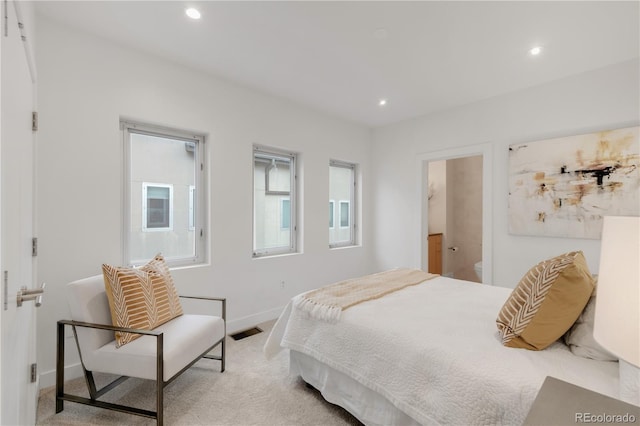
[(546, 302), (141, 298), (168, 292)]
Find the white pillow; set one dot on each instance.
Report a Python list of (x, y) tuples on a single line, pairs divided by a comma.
[(580, 339)]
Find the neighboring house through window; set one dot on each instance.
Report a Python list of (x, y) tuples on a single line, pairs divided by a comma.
[(165, 195), (285, 213), (344, 214), (157, 207)]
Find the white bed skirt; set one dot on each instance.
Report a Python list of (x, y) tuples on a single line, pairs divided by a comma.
[(367, 406)]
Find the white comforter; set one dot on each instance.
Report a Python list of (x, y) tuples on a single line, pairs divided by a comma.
[(433, 351)]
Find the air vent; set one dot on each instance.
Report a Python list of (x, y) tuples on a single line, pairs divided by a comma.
[(246, 333)]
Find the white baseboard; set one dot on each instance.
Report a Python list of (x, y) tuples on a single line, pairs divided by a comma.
[(244, 323), (48, 378)]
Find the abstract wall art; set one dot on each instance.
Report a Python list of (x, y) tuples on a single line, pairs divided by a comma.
[(564, 187)]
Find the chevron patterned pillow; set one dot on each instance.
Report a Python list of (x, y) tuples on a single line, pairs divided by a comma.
[(167, 295), (546, 302), (142, 298)]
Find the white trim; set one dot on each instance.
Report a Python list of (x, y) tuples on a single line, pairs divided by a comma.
[(253, 320), (192, 204), (353, 206), (202, 205), (332, 215), (72, 371), (422, 228)]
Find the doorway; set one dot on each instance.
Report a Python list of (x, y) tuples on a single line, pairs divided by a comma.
[(456, 207), (455, 217)]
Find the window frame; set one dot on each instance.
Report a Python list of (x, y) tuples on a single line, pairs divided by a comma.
[(332, 214), (267, 152), (192, 208), (200, 210), (353, 207)]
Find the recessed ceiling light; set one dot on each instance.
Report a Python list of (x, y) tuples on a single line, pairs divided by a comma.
[(193, 13), (381, 33), (534, 51), (382, 102)]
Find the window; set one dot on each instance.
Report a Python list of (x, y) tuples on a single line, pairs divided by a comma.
[(274, 202), (157, 207), (164, 195), (342, 187)]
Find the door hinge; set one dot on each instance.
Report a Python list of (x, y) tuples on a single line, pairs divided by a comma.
[(34, 372), (5, 14), (5, 283), (34, 121), (34, 246)]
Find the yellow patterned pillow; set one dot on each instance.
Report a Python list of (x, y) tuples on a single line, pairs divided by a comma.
[(546, 302), (172, 307), (141, 298)]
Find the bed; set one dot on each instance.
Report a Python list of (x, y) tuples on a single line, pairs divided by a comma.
[(428, 354)]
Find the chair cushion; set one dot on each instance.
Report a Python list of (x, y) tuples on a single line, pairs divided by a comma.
[(141, 298), (546, 302), (185, 338)]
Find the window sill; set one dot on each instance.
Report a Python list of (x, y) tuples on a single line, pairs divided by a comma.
[(345, 247), (271, 256)]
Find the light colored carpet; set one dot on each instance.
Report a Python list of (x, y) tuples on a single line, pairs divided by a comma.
[(252, 391)]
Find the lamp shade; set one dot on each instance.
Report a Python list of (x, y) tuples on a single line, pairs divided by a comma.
[(617, 318)]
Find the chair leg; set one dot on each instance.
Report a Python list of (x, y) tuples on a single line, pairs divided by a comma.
[(223, 355), (95, 393), (160, 381), (60, 369)]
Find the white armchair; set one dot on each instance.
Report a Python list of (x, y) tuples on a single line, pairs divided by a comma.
[(161, 354)]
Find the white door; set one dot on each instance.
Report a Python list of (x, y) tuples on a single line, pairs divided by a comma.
[(18, 392)]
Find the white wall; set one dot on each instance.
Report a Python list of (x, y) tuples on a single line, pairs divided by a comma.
[(601, 99), (87, 85)]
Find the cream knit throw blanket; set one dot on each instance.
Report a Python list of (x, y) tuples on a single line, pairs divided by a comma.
[(327, 303)]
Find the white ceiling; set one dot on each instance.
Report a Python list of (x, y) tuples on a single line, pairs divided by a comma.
[(341, 57)]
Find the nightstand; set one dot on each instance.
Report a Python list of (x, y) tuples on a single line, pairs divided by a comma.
[(561, 403)]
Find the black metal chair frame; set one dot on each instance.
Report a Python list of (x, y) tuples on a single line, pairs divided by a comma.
[(95, 393)]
